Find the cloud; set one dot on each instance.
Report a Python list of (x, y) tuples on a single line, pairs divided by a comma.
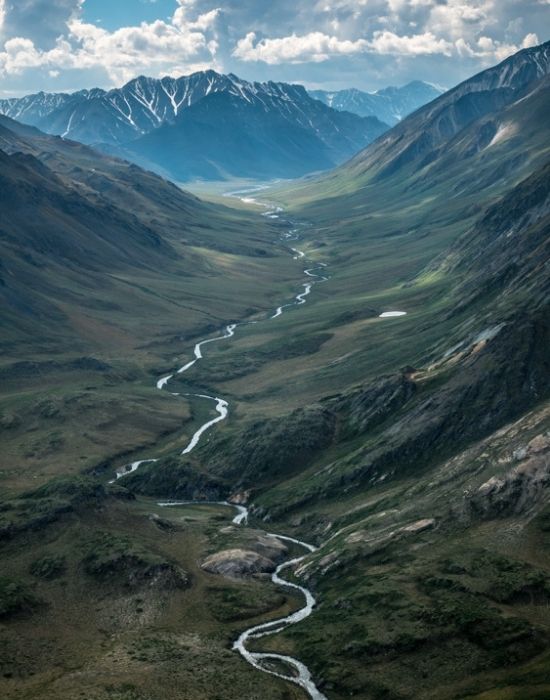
[(41, 21), (148, 47), (465, 29), (386, 42), (317, 47), (154, 48), (531, 39), (52, 43), (457, 18), (313, 47), (19, 54), (490, 50), (204, 21)]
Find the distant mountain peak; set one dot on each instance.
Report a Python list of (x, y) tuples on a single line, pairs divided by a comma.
[(388, 104)]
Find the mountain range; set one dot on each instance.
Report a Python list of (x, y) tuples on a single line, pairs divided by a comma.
[(205, 125), (390, 104)]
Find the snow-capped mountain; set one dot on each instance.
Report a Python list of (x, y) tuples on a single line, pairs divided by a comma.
[(33, 109), (140, 106), (259, 130), (298, 132), (390, 105), (116, 116)]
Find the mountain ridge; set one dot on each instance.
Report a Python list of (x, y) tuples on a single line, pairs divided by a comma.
[(448, 114), (466, 125), (295, 134), (388, 104), (262, 137)]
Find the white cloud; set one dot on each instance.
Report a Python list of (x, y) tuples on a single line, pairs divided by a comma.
[(457, 19), (204, 21), (467, 29), (490, 50), (151, 47), (316, 47), (342, 42), (531, 39), (19, 54), (386, 42), (313, 47)]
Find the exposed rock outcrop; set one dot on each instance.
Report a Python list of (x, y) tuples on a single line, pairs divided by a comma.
[(521, 487), (257, 557), (236, 563)]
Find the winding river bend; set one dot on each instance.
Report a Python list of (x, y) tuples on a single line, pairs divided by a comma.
[(271, 663)]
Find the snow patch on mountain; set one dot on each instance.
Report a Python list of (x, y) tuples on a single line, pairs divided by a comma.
[(504, 132)]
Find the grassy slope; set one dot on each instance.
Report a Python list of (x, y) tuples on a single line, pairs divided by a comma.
[(113, 273), (111, 604)]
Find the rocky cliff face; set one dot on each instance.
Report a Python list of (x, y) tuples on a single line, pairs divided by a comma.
[(521, 484)]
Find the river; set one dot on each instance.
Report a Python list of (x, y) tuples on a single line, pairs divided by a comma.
[(271, 663)]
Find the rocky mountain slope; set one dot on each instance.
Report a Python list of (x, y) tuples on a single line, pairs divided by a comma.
[(32, 109), (390, 104), (415, 141), (205, 125)]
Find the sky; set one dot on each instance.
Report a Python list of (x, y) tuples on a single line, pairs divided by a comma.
[(67, 45)]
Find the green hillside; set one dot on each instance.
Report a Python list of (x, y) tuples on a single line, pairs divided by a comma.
[(108, 273)]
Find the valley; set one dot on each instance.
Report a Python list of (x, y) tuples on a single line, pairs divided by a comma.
[(57, 565), (108, 328), (357, 361)]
